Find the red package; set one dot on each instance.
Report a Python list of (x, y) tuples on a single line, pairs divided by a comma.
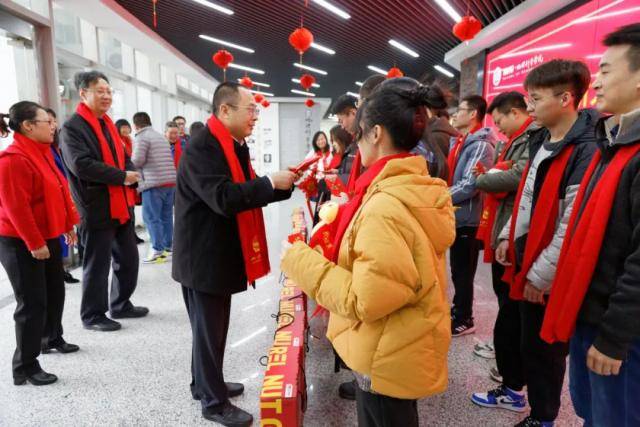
[(336, 186), (306, 164), (481, 168)]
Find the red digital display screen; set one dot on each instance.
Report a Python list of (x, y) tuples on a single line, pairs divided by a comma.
[(576, 35)]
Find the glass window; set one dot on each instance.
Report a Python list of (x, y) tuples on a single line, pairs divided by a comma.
[(182, 81), (144, 99), (142, 67), (67, 30), (40, 7), (110, 51)]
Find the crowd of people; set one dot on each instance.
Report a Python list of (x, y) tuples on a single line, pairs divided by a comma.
[(555, 210)]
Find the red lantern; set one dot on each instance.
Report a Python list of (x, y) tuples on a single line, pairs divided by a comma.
[(246, 82), (307, 80), (309, 103), (222, 59), (301, 40), (394, 72), (265, 103), (467, 28), (258, 98)]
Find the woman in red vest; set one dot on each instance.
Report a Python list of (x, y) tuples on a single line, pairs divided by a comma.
[(35, 210)]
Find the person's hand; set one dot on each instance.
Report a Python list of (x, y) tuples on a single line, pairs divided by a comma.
[(533, 294), (476, 171), (71, 238), (131, 178), (41, 253), (283, 180), (502, 252), (602, 364), (298, 173), (284, 249)]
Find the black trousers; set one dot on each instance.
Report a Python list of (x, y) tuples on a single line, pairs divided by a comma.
[(38, 286), (104, 249), (544, 364), (506, 333), (464, 262), (209, 316), (376, 410)]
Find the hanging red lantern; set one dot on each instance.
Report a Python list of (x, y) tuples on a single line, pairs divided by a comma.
[(309, 103), (246, 82), (467, 28), (265, 103), (307, 80), (155, 14), (222, 59), (258, 98), (394, 72), (301, 39)]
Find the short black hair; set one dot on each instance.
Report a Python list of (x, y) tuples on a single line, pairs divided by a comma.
[(370, 85), (121, 123), (343, 103), (478, 104), (141, 119), (226, 93), (170, 124), (507, 101), (314, 142), (178, 118), (51, 112), (195, 126), (627, 35), (572, 76), (84, 79)]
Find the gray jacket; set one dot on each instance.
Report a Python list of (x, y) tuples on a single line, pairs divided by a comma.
[(479, 147), (507, 181), (152, 157)]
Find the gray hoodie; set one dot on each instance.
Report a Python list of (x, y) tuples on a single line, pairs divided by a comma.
[(152, 157)]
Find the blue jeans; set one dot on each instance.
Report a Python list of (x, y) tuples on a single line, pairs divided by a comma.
[(604, 400), (157, 212)]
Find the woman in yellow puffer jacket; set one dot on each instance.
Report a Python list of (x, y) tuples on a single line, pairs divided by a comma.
[(386, 286)]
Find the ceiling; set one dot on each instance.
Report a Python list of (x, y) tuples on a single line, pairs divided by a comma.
[(362, 40)]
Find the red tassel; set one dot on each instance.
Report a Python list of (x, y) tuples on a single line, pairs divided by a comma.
[(155, 14)]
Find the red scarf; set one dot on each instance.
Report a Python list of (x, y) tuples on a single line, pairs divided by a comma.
[(454, 154), (335, 161), (349, 209), (128, 145), (581, 247), (177, 153), (119, 198), (61, 212), (543, 222), (250, 223), (492, 201)]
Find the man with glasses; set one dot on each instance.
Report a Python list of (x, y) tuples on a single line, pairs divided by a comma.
[(99, 176), (182, 130), (220, 245)]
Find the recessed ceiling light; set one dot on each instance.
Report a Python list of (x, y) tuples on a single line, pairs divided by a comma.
[(298, 81), (245, 68), (341, 13), (258, 83), (226, 43), (403, 48), (359, 84), (377, 70), (261, 92), (449, 10), (443, 70), (215, 6), (323, 48), (301, 92), (306, 67), (355, 95)]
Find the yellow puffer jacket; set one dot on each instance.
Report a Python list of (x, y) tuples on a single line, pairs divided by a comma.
[(390, 317)]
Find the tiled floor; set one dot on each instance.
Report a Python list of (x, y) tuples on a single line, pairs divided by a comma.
[(139, 375)]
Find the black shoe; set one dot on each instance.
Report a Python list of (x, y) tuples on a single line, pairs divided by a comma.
[(230, 416), (39, 378), (532, 422), (62, 347), (234, 389), (103, 325), (348, 390), (132, 313), (462, 327), (139, 240), (68, 278)]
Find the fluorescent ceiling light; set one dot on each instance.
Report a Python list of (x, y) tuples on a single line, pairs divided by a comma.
[(449, 10), (341, 13), (301, 92), (606, 15), (403, 48), (443, 70), (298, 81), (215, 6), (225, 43), (323, 48), (261, 92), (377, 70), (595, 56), (359, 84), (245, 68), (355, 95), (306, 67), (537, 49), (258, 83)]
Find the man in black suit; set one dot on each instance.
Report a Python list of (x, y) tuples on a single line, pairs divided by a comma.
[(100, 177), (219, 243)]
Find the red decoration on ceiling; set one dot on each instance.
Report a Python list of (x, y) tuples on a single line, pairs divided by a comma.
[(258, 98), (222, 59), (307, 80), (246, 82), (265, 103), (467, 28), (301, 39), (155, 14), (394, 72), (309, 103)]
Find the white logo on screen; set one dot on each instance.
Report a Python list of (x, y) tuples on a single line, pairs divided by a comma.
[(497, 76)]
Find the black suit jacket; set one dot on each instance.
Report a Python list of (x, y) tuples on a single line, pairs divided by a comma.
[(89, 177), (207, 255)]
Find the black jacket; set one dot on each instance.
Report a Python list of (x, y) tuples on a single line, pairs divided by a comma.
[(207, 255), (440, 132), (349, 155), (582, 135), (88, 175), (612, 303)]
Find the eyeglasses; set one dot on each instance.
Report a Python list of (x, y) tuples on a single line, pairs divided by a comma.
[(50, 121), (254, 111), (532, 102), (108, 92)]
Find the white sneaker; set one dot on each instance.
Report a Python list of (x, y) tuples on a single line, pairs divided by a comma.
[(154, 258), (167, 253), (485, 350)]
